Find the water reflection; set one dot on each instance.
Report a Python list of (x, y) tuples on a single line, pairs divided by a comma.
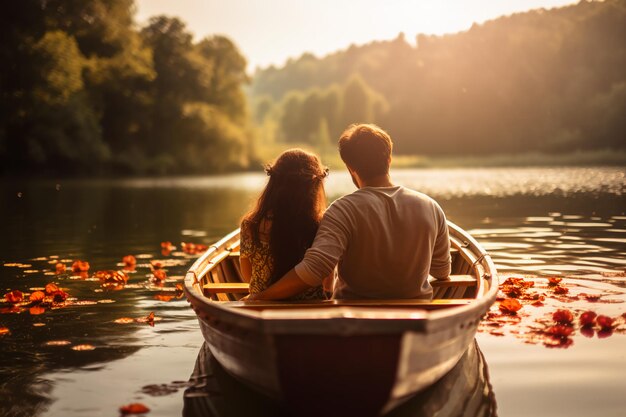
[(464, 391)]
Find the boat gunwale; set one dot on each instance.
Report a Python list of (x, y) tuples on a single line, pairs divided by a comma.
[(351, 319)]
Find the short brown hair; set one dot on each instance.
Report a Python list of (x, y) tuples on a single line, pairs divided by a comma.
[(366, 148)]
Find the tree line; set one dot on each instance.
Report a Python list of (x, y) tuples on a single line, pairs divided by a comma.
[(85, 91), (551, 81)]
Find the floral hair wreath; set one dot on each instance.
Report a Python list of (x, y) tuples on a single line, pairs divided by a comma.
[(269, 170)]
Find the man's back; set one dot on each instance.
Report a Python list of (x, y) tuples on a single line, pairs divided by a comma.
[(386, 241)]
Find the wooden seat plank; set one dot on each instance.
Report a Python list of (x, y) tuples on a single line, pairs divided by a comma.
[(225, 287), (454, 281)]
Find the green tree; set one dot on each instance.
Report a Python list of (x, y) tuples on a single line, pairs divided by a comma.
[(61, 130)]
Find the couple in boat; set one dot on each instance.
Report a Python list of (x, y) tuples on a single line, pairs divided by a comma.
[(383, 240)]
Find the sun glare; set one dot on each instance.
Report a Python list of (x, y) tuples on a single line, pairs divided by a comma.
[(270, 32)]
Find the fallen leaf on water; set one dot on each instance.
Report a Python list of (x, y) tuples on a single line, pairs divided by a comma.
[(129, 260), (159, 274), (51, 288), (156, 265), (60, 268), (560, 290), (57, 343), (588, 318), (510, 306), (36, 310), (83, 347), (124, 320), (4, 330), (552, 281), (592, 298), (111, 277), (605, 322), (604, 333), (193, 248), (163, 297), (563, 316), (149, 319), (14, 296), (37, 297), (134, 408), (80, 266)]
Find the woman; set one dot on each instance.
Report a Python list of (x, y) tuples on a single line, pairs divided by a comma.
[(282, 225)]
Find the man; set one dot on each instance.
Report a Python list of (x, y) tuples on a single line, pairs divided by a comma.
[(386, 239)]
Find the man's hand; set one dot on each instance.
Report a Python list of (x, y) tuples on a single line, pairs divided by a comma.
[(289, 285)]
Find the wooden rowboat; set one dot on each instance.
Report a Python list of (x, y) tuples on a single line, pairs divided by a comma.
[(361, 356)]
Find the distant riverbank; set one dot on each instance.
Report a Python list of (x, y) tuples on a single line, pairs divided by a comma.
[(267, 153), (603, 157)]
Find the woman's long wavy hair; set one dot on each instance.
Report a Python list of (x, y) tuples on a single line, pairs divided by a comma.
[(294, 201)]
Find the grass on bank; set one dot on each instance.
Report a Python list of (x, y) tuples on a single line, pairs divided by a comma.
[(330, 157)]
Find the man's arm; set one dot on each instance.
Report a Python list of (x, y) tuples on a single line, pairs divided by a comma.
[(289, 285), (440, 265), (319, 260)]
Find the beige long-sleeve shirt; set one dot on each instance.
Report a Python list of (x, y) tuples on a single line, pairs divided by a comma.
[(385, 240)]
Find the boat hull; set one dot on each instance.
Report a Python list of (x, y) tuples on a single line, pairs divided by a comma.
[(371, 373)]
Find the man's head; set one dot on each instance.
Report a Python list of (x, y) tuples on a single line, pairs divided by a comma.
[(366, 150)]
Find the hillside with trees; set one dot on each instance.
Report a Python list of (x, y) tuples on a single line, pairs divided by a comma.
[(549, 81), (84, 91)]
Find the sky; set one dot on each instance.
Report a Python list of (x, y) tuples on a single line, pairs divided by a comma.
[(268, 32)]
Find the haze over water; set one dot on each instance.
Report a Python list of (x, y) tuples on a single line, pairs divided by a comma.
[(565, 221)]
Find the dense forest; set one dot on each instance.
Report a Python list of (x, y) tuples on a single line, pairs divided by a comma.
[(83, 90), (548, 81)]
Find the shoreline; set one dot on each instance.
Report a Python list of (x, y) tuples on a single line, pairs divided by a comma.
[(591, 159)]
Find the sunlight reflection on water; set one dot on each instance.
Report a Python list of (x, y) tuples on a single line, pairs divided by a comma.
[(457, 182)]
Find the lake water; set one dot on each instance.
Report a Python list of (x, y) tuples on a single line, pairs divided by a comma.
[(568, 221)]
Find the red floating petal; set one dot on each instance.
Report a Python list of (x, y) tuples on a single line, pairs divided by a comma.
[(134, 408), (563, 316), (80, 266), (510, 306), (588, 318), (605, 322), (129, 260), (14, 296), (37, 296)]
